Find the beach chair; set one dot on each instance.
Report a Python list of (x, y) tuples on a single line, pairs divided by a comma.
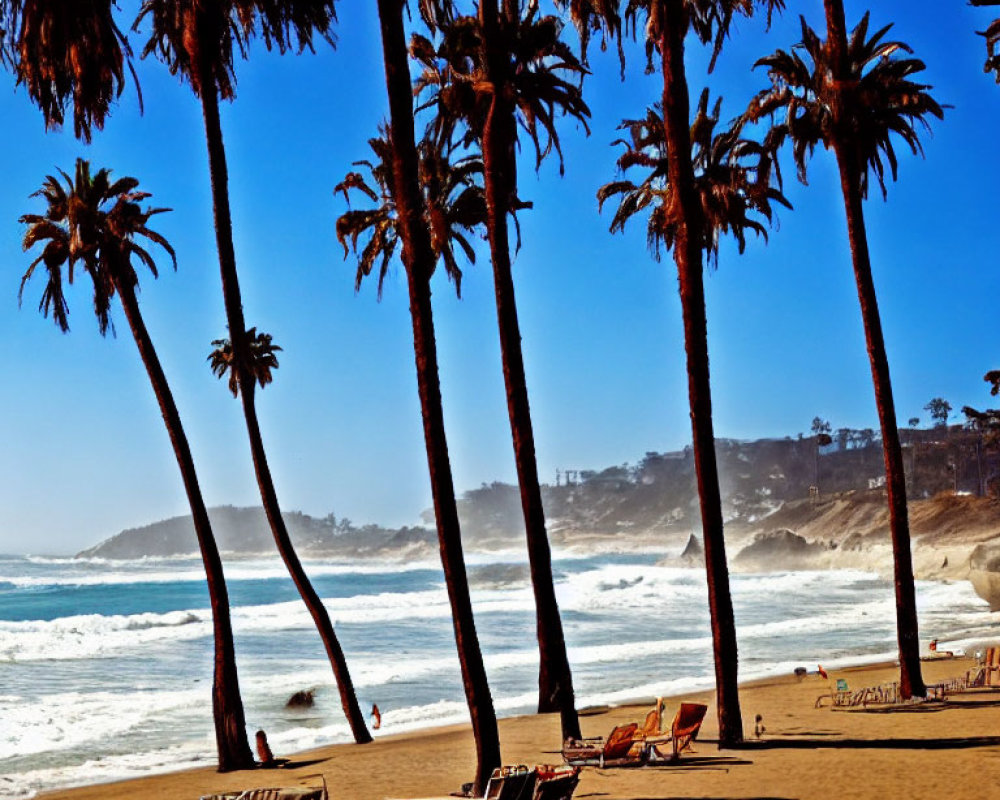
[(511, 783), (314, 792), (653, 725), (839, 695), (683, 731), (555, 783), (615, 751), (542, 782)]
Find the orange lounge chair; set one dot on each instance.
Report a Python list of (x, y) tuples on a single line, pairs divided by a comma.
[(683, 731), (615, 751)]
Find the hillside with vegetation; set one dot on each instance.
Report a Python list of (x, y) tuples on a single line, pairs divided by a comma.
[(830, 493)]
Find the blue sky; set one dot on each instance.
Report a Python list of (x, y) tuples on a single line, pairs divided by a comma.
[(85, 453)]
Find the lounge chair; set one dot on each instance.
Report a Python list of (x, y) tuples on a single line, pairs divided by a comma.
[(985, 675), (555, 783), (615, 751), (510, 783), (839, 695), (683, 731), (286, 793), (542, 782)]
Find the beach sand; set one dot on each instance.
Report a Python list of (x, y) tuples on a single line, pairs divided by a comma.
[(949, 750)]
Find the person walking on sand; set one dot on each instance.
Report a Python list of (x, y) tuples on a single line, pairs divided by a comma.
[(376, 717)]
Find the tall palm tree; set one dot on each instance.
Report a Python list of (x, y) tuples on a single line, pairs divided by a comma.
[(423, 204), (666, 24), (199, 41), (500, 68), (94, 224), (850, 94)]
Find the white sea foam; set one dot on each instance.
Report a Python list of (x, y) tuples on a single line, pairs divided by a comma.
[(97, 635), (64, 720), (105, 768)]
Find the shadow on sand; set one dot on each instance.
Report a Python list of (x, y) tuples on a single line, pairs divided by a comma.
[(894, 743)]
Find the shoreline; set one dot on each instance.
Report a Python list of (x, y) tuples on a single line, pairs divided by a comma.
[(875, 753)]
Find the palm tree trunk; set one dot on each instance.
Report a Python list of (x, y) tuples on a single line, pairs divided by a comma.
[(418, 259), (227, 704), (911, 680), (237, 333), (555, 680), (688, 256)]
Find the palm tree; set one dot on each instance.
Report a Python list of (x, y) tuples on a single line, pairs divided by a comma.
[(491, 72), (424, 204), (853, 95), (199, 41), (93, 223), (733, 183), (67, 51), (992, 36), (666, 24)]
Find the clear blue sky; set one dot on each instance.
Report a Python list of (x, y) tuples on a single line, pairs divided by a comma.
[(84, 450)]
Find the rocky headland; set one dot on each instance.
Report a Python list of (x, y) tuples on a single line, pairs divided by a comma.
[(777, 517)]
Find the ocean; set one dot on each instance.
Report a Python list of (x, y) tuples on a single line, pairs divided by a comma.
[(106, 666)]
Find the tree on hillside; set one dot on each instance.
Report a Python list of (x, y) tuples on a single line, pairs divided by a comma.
[(199, 41), (93, 224), (665, 26), (419, 259), (851, 94), (939, 409), (505, 69), (821, 427), (914, 422)]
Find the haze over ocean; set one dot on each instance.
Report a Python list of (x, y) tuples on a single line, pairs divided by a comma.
[(106, 666)]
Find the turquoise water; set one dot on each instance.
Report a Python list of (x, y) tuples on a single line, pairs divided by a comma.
[(105, 667)]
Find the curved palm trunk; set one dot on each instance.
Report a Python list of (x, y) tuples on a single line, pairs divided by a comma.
[(688, 256), (911, 680), (237, 333), (227, 705), (555, 679), (418, 259)]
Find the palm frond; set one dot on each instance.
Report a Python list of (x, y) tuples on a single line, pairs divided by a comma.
[(452, 199), (875, 106), (735, 179)]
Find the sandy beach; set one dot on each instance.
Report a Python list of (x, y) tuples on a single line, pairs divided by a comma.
[(930, 751)]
